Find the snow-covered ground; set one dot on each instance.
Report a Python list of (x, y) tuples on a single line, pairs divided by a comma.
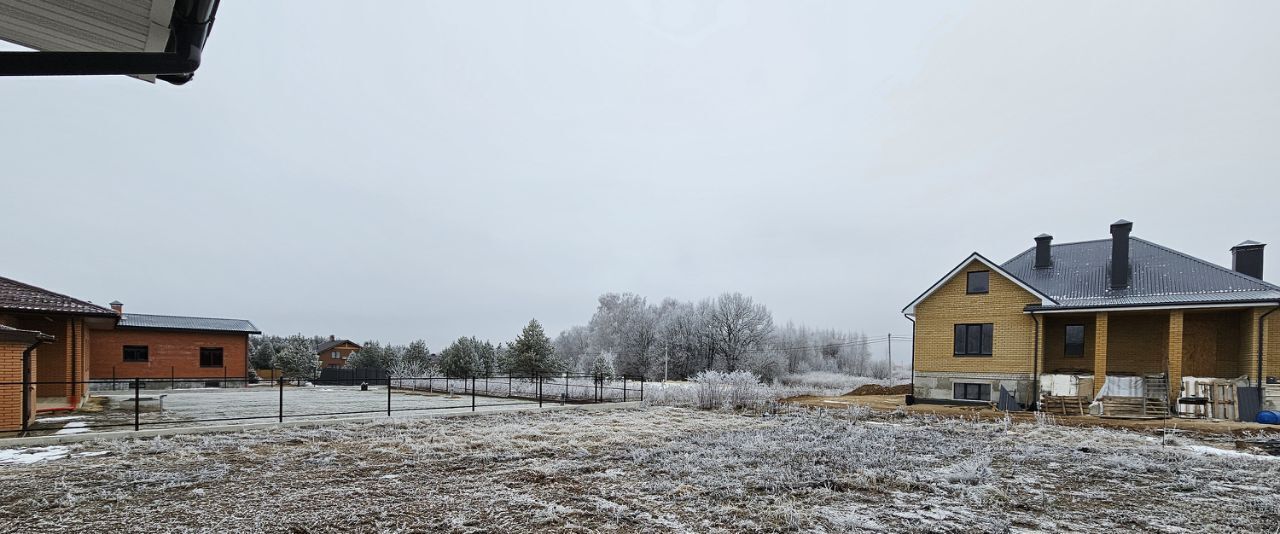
[(656, 469), (195, 407)]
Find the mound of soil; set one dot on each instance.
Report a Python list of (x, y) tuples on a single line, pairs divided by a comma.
[(877, 389)]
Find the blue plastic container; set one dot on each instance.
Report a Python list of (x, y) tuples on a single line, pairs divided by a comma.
[(1268, 417)]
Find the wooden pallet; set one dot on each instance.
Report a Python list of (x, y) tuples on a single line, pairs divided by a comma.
[(1135, 408), (1064, 405)]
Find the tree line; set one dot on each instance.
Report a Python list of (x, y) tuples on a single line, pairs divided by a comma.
[(676, 340), (626, 335), (531, 353)]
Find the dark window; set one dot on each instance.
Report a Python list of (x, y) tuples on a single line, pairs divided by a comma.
[(135, 353), (1075, 340), (967, 391), (974, 339), (210, 356), (979, 282)]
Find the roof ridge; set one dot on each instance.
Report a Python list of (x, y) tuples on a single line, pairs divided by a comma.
[(184, 316), (1207, 263), (69, 297), (1082, 242)]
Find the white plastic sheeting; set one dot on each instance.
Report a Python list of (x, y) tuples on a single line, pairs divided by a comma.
[(1066, 385)]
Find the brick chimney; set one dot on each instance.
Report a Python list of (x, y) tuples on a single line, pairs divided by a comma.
[(118, 307), (331, 338)]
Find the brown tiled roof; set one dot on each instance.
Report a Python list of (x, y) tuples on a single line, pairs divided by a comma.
[(324, 347), (17, 296)]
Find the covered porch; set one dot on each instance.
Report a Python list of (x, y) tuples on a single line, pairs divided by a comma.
[(1145, 354)]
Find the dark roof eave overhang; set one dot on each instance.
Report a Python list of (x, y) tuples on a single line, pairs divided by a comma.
[(25, 336), (192, 21), (105, 313), (172, 329), (1032, 308)]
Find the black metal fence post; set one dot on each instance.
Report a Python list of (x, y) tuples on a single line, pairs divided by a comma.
[(388, 395), (539, 389), (137, 386), (624, 388), (280, 379), (508, 386), (473, 393), (173, 378), (642, 389), (565, 399)]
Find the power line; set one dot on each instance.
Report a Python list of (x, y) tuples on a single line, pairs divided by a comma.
[(861, 343)]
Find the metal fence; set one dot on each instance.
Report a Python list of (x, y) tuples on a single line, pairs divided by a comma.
[(464, 393)]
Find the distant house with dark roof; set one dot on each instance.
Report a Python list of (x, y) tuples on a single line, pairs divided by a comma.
[(65, 326), (335, 352), (1118, 307), (172, 347)]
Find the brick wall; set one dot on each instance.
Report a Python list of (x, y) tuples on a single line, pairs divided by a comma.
[(11, 387), (1013, 338), (1055, 330), (170, 353), (1137, 343)]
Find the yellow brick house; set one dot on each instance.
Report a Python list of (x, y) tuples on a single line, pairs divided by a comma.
[(1098, 311)]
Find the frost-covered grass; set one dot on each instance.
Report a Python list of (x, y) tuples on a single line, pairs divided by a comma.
[(827, 381), (658, 469), (741, 389)]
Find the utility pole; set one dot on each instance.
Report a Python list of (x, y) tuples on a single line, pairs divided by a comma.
[(889, 337)]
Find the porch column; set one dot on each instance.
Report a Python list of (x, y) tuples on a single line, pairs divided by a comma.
[(1175, 355), (1099, 352)]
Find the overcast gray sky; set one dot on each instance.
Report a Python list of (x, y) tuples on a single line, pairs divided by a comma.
[(401, 170)]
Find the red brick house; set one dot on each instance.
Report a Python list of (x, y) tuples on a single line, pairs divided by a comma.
[(172, 347), (335, 352), (17, 406), (66, 327)]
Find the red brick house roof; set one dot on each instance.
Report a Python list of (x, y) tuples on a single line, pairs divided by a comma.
[(20, 297)]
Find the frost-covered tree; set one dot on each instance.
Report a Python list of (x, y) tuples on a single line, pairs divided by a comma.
[(297, 358), (262, 352), (375, 355), (602, 365), (415, 355), (572, 347), (737, 326), (626, 325), (532, 352), (460, 359)]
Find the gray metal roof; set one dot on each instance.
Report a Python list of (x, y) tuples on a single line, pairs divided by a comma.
[(17, 296), (1158, 276), (174, 322)]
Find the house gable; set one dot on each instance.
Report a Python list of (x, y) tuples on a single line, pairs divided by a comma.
[(976, 262)]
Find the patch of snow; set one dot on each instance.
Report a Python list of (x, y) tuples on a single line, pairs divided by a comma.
[(1206, 449), (32, 454), (74, 427), (59, 419)]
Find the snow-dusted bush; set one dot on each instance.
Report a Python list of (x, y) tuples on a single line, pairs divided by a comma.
[(827, 380), (736, 389)]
